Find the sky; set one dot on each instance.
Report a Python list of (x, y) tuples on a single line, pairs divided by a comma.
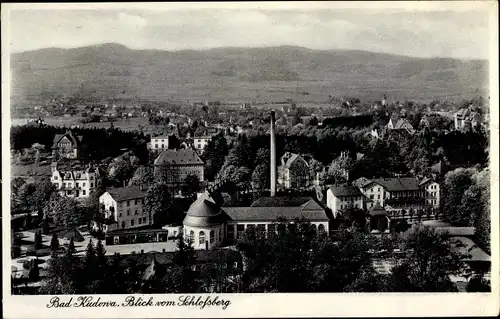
[(421, 33)]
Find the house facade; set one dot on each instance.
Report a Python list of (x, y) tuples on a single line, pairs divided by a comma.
[(339, 198), (66, 146), (123, 207), (175, 165), (294, 172), (403, 195), (76, 182), (207, 225), (159, 142), (200, 142)]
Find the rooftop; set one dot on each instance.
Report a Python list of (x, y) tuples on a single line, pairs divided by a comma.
[(125, 193), (398, 184), (179, 157), (345, 191)]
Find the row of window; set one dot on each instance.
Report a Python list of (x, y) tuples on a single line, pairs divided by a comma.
[(140, 221), (129, 202), (128, 213)]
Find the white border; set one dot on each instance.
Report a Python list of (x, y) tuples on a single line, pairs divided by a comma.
[(271, 305)]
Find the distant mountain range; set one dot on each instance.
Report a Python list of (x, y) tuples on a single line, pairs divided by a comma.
[(236, 74)]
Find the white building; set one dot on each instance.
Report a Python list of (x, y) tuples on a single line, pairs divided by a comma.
[(125, 206), (208, 225), (339, 198), (200, 143), (75, 182), (159, 142)]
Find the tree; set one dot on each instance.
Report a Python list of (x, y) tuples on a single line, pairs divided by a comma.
[(431, 260), (157, 202), (191, 185), (478, 284), (182, 279), (455, 185), (66, 212), (34, 271), (261, 177), (143, 176), (42, 193), (54, 243), (338, 170), (214, 155), (38, 240)]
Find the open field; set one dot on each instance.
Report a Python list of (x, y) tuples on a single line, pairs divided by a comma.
[(113, 71)]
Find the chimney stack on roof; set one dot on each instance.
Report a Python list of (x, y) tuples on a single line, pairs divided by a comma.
[(273, 154)]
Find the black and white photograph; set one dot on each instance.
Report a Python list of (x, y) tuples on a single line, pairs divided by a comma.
[(202, 151)]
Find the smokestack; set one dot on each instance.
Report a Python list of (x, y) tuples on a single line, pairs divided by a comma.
[(273, 154)]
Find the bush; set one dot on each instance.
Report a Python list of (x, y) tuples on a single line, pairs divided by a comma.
[(478, 284)]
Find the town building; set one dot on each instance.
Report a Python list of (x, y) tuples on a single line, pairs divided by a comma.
[(397, 123), (66, 145), (339, 198), (467, 118), (175, 165), (399, 195), (294, 172), (208, 225), (159, 142), (74, 180), (123, 207)]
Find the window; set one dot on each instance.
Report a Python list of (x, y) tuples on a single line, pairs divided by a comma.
[(230, 231), (212, 236), (139, 221), (77, 184), (83, 184), (83, 192), (131, 222), (123, 224), (191, 236), (371, 196), (220, 235), (128, 212), (91, 184), (136, 212), (120, 214), (128, 203), (136, 201), (144, 220), (202, 238)]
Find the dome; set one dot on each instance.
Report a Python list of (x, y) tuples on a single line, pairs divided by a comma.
[(203, 213)]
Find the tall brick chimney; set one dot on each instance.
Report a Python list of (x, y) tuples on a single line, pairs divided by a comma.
[(273, 154)]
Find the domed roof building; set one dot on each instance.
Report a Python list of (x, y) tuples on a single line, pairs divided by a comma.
[(204, 223)]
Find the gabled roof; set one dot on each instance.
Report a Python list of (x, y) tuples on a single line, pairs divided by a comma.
[(270, 214), (345, 191), (361, 182), (74, 140), (288, 159), (280, 201), (125, 193), (268, 209), (398, 184), (377, 210), (178, 157), (467, 246)]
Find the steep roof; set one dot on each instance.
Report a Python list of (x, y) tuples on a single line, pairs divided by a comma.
[(377, 210), (266, 214), (467, 246), (345, 191), (74, 140), (280, 201), (289, 158), (398, 184), (125, 193), (361, 182), (270, 208), (178, 157)]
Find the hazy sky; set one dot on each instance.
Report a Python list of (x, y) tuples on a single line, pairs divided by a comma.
[(416, 33)]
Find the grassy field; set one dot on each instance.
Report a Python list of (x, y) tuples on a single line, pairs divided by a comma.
[(30, 170)]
